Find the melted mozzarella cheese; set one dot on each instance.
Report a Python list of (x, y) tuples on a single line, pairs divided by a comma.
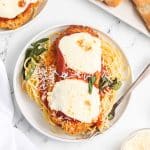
[(82, 52), (10, 8), (72, 98)]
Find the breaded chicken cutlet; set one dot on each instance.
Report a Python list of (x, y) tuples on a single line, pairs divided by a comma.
[(21, 19)]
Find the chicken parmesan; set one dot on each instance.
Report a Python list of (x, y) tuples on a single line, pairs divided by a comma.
[(15, 13), (74, 78)]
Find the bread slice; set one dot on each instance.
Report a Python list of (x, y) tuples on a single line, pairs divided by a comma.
[(22, 18), (143, 7), (112, 3)]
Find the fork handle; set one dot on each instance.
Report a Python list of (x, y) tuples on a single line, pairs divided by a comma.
[(140, 78)]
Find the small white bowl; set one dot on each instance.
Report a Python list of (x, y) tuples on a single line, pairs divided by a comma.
[(32, 112), (133, 134), (7, 31)]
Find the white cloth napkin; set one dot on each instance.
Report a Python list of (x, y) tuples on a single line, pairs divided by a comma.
[(10, 137)]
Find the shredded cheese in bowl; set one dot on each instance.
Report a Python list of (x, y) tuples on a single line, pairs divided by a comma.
[(138, 141)]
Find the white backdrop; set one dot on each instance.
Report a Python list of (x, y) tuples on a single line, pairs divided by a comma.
[(135, 45)]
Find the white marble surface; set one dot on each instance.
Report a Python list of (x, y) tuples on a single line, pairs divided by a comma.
[(135, 45)]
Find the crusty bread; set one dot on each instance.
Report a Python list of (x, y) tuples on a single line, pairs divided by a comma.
[(112, 3), (22, 18), (143, 7)]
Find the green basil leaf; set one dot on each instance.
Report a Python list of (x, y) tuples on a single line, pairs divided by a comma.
[(104, 82), (23, 70), (36, 46), (28, 52), (31, 70), (91, 81), (110, 117), (34, 51), (40, 41), (38, 52), (117, 85), (90, 88)]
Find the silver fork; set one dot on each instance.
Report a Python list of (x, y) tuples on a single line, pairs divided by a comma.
[(140, 78)]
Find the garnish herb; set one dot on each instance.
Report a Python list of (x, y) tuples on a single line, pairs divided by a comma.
[(36, 49), (104, 82), (91, 81), (39, 51), (40, 41), (113, 84), (110, 116), (30, 72), (28, 52)]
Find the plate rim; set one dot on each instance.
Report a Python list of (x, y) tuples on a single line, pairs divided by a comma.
[(16, 72)]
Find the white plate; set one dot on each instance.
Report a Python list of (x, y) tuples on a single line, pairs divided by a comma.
[(125, 12), (32, 112), (41, 8)]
